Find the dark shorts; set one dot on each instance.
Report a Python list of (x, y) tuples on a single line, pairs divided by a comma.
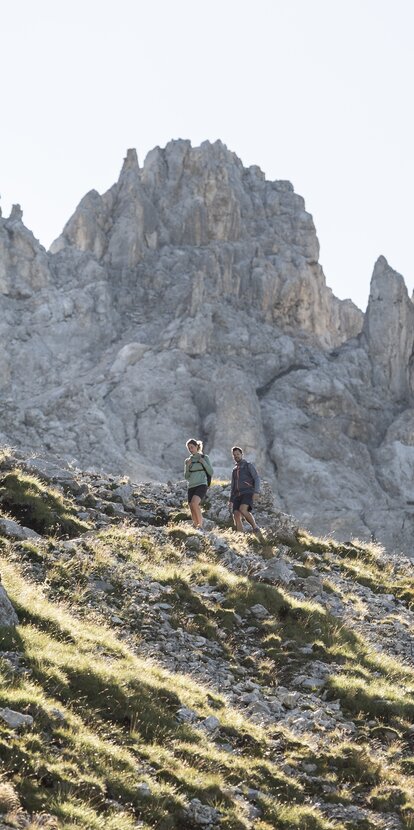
[(201, 491), (244, 498)]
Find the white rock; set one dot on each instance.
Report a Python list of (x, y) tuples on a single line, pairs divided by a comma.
[(200, 814), (259, 611), (143, 790), (277, 570), (15, 719), (210, 724), (14, 530), (8, 616)]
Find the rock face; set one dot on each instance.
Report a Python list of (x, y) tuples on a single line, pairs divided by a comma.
[(188, 299)]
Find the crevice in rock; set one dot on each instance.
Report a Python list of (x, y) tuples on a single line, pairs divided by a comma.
[(261, 391)]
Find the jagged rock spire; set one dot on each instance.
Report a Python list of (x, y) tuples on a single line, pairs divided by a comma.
[(16, 213), (130, 161), (388, 330)]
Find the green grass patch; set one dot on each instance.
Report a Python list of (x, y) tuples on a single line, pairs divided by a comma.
[(294, 817), (378, 697), (38, 506)]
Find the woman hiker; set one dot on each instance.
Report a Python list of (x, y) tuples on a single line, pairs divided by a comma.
[(196, 469)]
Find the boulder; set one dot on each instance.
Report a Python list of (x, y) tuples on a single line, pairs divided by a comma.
[(8, 616), (15, 719)]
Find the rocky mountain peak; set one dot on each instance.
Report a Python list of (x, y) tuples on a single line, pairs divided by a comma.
[(201, 200), (189, 300)]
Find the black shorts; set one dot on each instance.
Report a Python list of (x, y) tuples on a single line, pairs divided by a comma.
[(244, 498), (201, 491)]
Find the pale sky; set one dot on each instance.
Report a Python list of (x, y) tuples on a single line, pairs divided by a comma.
[(315, 91)]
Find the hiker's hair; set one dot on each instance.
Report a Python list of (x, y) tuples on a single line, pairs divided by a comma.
[(199, 444), (237, 448)]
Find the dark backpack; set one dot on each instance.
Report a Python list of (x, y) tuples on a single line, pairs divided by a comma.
[(207, 474)]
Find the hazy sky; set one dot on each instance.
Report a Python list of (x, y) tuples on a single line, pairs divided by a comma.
[(315, 91)]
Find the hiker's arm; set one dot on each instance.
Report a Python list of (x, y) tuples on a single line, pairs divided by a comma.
[(233, 488), (256, 479), (187, 468)]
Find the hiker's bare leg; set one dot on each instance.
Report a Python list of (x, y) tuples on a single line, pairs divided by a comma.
[(195, 514), (191, 511), (238, 520), (196, 511), (244, 510)]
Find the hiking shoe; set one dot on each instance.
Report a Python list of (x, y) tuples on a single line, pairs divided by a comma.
[(257, 531)]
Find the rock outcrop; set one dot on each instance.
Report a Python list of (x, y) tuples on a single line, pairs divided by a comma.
[(189, 299), (8, 616), (389, 332)]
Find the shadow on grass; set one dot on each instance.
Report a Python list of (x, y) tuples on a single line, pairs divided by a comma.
[(43, 622)]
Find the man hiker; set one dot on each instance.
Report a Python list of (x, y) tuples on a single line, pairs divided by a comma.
[(245, 485)]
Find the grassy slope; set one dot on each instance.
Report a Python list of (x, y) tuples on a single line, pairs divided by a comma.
[(106, 749)]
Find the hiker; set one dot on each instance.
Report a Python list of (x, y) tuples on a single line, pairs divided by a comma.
[(245, 485), (197, 472)]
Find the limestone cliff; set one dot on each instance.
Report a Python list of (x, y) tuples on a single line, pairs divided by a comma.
[(189, 299)]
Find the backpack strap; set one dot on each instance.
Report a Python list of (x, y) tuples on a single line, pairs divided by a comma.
[(208, 476)]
